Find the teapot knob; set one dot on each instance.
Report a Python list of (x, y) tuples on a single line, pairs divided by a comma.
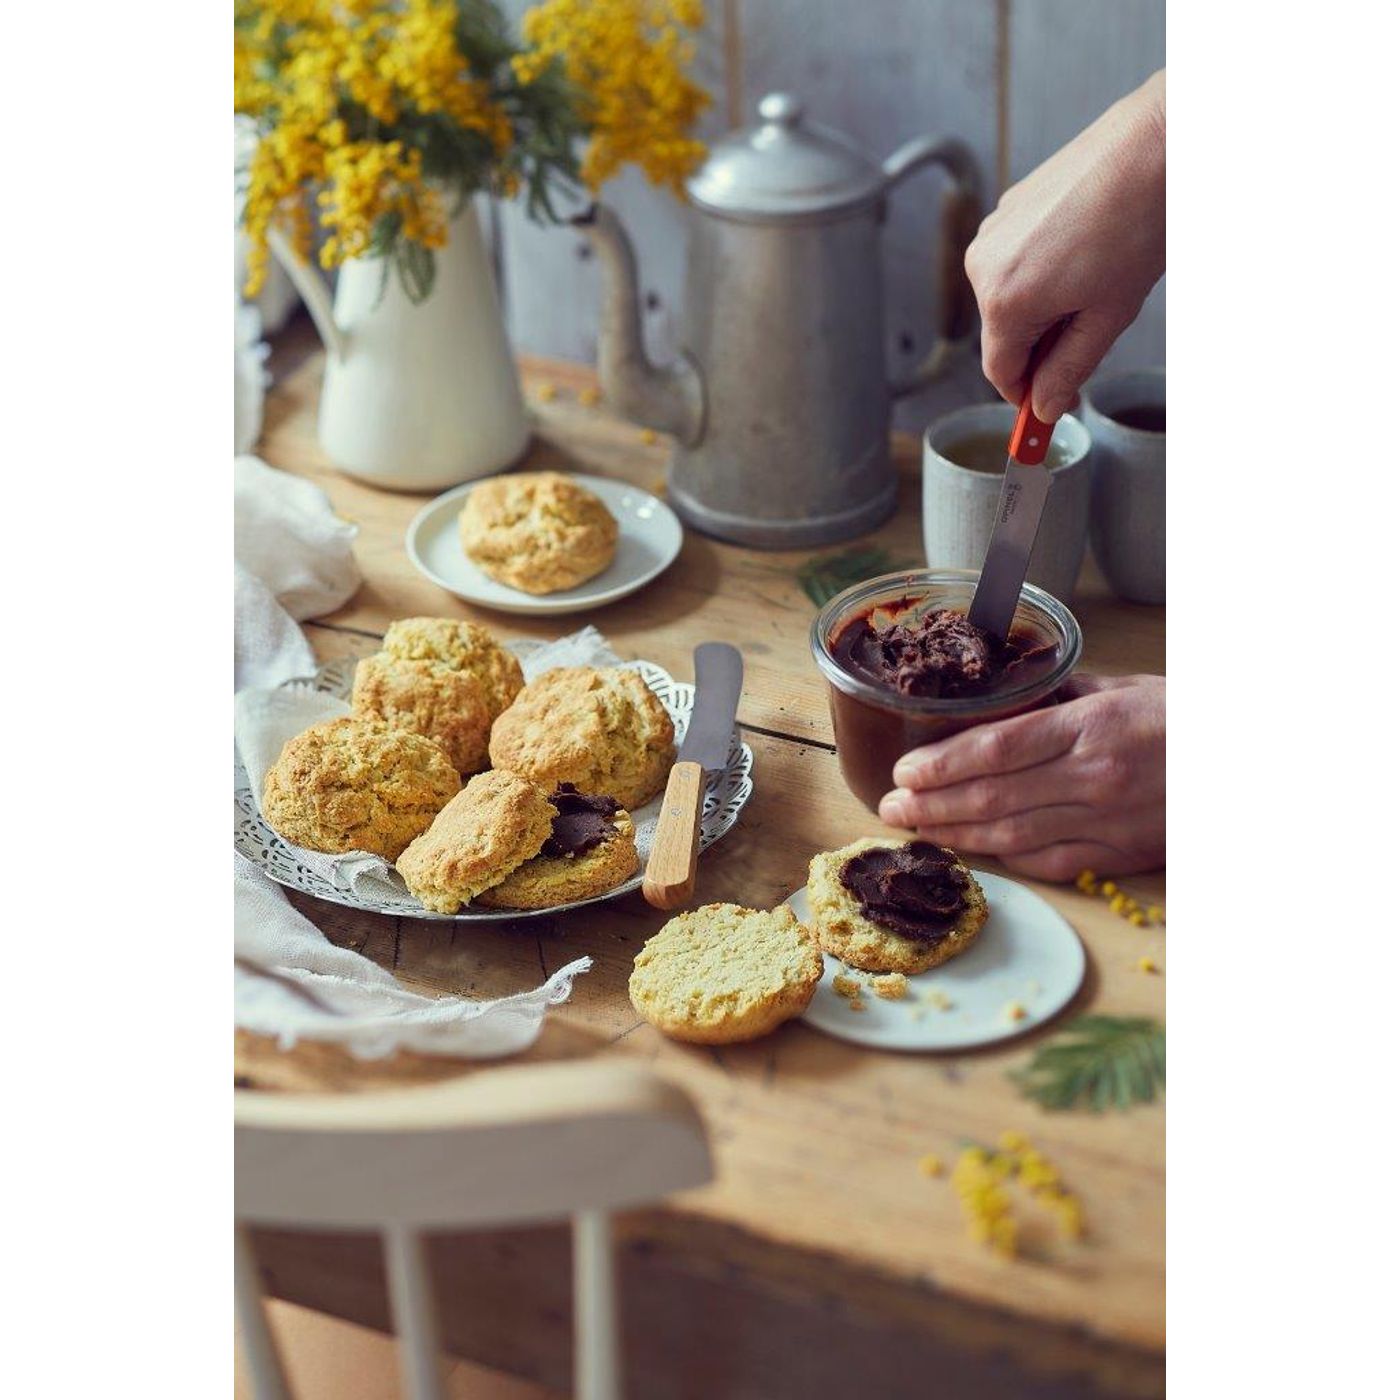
[(782, 108)]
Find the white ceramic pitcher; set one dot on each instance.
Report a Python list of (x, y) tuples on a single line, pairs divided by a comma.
[(416, 397)]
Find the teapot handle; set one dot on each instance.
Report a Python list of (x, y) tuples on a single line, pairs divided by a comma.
[(961, 214), (313, 289)]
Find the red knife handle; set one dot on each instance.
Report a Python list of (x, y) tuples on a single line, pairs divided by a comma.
[(1030, 438)]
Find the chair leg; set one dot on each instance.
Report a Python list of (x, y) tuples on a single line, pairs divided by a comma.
[(597, 1364), (265, 1366), (415, 1313)]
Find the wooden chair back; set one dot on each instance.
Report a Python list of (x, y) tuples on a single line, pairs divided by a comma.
[(506, 1146)]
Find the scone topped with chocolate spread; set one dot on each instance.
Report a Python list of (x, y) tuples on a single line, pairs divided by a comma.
[(894, 906), (442, 678), (495, 824), (540, 532), (591, 848), (599, 728)]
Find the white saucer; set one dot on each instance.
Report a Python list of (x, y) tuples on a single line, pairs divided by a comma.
[(649, 538), (1026, 955)]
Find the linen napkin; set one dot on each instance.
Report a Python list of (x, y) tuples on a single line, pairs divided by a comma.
[(291, 982), (294, 559)]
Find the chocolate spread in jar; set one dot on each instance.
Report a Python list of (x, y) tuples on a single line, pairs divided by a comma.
[(581, 822), (916, 890), (939, 655)]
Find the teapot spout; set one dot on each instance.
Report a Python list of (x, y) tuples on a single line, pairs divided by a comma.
[(670, 398)]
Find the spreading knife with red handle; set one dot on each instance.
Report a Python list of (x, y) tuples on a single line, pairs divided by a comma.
[(1023, 493)]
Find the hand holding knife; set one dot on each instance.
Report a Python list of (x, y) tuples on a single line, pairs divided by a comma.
[(1023, 493)]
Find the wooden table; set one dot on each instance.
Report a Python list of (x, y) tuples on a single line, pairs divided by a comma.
[(820, 1262)]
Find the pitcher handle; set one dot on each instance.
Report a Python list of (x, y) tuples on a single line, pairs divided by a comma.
[(959, 218), (314, 291)]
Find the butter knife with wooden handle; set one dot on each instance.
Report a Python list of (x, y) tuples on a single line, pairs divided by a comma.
[(719, 677)]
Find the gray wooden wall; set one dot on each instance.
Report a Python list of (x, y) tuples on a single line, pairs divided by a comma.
[(1014, 78)]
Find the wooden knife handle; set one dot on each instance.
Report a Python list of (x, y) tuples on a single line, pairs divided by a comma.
[(670, 878)]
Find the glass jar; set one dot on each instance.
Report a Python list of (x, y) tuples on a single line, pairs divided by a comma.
[(876, 725)]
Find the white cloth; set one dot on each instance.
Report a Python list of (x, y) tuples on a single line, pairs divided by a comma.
[(288, 534), (291, 982), (294, 559)]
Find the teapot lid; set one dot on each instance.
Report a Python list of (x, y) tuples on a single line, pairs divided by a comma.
[(784, 168)]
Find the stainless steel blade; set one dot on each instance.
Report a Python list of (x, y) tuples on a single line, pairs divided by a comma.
[(719, 678), (1023, 494)]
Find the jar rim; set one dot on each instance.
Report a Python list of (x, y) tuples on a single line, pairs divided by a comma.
[(1033, 598)]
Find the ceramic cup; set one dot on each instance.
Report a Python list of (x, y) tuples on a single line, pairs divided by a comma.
[(960, 503), (1128, 515)]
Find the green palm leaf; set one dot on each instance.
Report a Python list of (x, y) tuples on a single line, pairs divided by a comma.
[(1098, 1062), (824, 576)]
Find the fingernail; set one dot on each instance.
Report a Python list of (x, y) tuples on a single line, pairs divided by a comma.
[(892, 810), (905, 774)]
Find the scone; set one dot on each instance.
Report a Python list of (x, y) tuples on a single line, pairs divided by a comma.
[(537, 531), (496, 822), (722, 973), (602, 730), (592, 848), (445, 679), (357, 785), (894, 906)]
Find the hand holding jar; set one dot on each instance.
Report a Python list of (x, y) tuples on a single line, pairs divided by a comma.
[(1080, 784)]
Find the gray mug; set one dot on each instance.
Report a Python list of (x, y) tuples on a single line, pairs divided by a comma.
[(1128, 517), (960, 503)]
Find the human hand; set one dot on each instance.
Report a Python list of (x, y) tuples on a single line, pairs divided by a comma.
[(1082, 238), (1078, 785)]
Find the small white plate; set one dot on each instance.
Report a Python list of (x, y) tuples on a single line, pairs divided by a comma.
[(1026, 955), (648, 540)]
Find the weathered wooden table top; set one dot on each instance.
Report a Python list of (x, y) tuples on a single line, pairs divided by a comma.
[(817, 1194)]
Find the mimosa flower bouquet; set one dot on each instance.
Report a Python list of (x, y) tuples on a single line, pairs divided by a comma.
[(392, 112), (378, 120)]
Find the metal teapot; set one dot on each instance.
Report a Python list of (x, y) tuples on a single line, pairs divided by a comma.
[(780, 401)]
